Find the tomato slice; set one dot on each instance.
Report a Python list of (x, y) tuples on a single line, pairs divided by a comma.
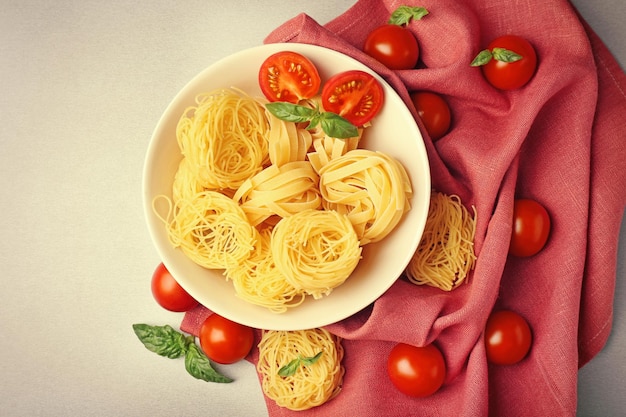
[(288, 76), (355, 95)]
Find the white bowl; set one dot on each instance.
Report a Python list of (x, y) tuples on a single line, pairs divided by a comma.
[(393, 132)]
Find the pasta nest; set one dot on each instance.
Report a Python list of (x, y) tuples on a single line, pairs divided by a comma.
[(287, 142), (258, 280), (311, 385), (279, 190), (371, 188), (445, 254), (316, 250), (225, 138), (212, 230)]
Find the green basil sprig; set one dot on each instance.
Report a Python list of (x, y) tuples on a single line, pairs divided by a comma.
[(499, 54), (332, 124), (291, 368), (404, 14), (167, 342)]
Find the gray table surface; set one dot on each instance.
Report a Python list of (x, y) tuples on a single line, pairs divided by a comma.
[(82, 85), (601, 387)]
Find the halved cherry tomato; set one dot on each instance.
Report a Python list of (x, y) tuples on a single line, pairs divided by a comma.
[(288, 76), (355, 95), (434, 112), (225, 341), (507, 338), (531, 228), (511, 75), (394, 46), (168, 292), (416, 371)]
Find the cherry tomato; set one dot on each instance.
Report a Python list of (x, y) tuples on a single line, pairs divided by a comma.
[(507, 338), (416, 371), (434, 112), (168, 292), (511, 75), (288, 76), (225, 341), (355, 95), (531, 228), (394, 46)]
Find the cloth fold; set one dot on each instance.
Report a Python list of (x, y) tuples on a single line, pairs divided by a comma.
[(559, 140)]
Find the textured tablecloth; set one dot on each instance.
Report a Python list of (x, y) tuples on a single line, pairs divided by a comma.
[(559, 140)]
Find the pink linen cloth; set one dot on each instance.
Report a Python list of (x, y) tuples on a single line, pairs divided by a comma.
[(560, 140)]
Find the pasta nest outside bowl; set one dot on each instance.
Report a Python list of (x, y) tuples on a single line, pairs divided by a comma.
[(393, 132)]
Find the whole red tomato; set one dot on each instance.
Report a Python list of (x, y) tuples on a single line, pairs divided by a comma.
[(394, 46), (225, 341), (531, 228), (434, 112), (504, 70), (168, 292), (507, 338), (416, 371)]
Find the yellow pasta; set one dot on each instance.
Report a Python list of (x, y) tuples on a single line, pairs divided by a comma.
[(316, 250), (212, 230), (186, 183), (258, 281), (445, 254), (311, 385), (371, 188), (325, 147), (287, 143), (225, 137), (282, 208), (279, 190)]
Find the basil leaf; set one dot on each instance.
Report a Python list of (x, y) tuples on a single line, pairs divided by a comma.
[(332, 124), (336, 126), (499, 54), (505, 55), (290, 368), (482, 58), (315, 120), (310, 361), (163, 340), (199, 366), (290, 112), (403, 15)]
